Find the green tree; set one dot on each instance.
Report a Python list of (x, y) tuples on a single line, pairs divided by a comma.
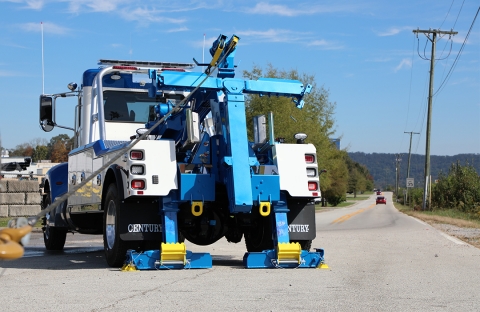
[(21, 150), (40, 153), (360, 178), (460, 189), (54, 147), (336, 189)]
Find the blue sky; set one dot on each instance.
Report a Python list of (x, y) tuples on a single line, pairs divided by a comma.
[(363, 52)]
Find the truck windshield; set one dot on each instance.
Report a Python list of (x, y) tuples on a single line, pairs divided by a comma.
[(137, 107)]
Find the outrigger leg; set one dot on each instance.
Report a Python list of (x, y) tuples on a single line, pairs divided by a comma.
[(286, 254), (172, 254)]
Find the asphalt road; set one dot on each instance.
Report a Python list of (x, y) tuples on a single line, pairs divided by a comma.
[(379, 260)]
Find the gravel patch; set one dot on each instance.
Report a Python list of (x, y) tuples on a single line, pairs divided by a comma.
[(469, 235)]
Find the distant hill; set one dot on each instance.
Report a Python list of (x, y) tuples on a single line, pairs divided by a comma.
[(382, 166)]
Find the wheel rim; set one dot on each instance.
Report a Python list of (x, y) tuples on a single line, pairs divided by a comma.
[(110, 224)]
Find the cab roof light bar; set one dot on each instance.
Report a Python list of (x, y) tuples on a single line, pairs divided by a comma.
[(146, 64)]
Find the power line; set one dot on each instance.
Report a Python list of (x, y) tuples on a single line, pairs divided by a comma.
[(458, 55), (458, 15), (446, 15)]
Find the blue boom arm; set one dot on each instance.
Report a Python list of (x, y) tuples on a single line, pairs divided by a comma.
[(233, 160)]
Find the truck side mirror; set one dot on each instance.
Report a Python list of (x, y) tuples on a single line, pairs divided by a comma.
[(46, 113)]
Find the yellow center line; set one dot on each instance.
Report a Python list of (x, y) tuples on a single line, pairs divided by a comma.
[(348, 216)]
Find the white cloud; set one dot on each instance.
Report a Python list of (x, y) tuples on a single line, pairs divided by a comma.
[(199, 43), (272, 35), (13, 45), (146, 16), (47, 28), (35, 4), (325, 45), (403, 63), (283, 10), (29, 4), (394, 31), (6, 73), (184, 28), (94, 5)]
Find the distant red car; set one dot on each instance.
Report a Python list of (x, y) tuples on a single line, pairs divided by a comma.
[(379, 193), (381, 200)]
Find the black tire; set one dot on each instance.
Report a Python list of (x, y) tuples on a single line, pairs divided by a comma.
[(259, 237), (53, 237), (115, 248)]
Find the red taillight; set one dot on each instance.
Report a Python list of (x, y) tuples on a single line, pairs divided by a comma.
[(309, 159), (125, 67), (136, 155), (138, 184), (312, 186)]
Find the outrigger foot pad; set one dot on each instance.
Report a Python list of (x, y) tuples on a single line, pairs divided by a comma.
[(151, 260), (269, 259)]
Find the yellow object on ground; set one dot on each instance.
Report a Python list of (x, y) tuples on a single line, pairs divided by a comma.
[(127, 267), (173, 252), (289, 252), (322, 266), (9, 242)]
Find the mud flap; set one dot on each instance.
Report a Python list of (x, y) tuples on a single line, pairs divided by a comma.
[(140, 221), (301, 219)]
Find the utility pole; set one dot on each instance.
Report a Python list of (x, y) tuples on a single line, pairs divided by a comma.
[(408, 166), (397, 173), (410, 152), (433, 39)]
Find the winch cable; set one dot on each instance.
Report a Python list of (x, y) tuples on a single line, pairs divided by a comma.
[(33, 220)]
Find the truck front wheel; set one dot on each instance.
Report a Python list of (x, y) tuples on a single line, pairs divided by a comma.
[(115, 248), (53, 237)]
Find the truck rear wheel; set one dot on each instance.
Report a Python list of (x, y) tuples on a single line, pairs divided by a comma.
[(115, 248), (53, 237), (259, 237)]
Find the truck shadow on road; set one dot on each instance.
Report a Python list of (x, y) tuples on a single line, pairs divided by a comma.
[(59, 260), (85, 259), (227, 261)]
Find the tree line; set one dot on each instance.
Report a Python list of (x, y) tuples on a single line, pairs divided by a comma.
[(56, 150), (382, 167)]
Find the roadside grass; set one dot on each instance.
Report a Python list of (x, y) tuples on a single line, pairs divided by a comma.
[(444, 216), (350, 200), (4, 222), (359, 196)]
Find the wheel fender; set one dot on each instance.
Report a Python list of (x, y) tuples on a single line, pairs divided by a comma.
[(114, 174), (56, 183), (57, 179)]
